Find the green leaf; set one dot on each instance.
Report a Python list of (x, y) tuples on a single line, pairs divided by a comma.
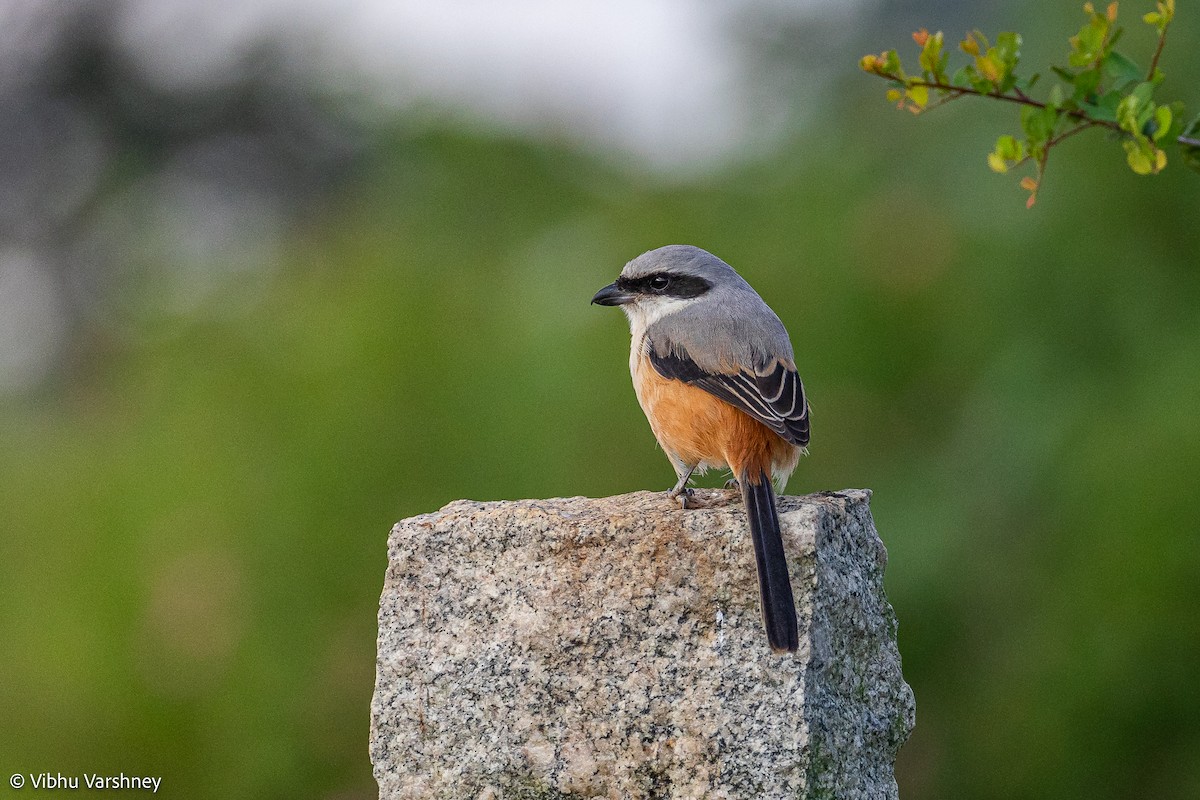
[(931, 54), (1008, 49), (1160, 126), (1069, 77), (1127, 114), (1135, 109), (1162, 18), (891, 63), (1088, 44), (1008, 148), (1143, 92), (1086, 84), (1120, 71), (1038, 124), (1103, 108), (962, 77), (978, 82)]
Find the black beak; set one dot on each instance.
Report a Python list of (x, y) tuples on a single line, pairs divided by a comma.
[(611, 295)]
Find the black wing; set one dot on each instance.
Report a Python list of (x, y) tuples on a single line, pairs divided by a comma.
[(774, 397)]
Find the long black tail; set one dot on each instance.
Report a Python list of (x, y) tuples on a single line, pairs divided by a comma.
[(778, 605)]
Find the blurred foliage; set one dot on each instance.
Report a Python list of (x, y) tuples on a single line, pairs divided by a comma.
[(1103, 89), (195, 510)]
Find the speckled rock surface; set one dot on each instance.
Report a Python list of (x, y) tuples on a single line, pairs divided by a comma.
[(613, 648)]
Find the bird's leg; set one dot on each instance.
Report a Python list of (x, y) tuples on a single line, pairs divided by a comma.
[(680, 491)]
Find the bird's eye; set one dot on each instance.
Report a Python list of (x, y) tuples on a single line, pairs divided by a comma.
[(659, 282)]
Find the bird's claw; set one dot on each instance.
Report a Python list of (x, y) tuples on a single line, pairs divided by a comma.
[(681, 495), (732, 483)]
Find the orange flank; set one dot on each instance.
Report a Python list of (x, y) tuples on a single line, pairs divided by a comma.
[(698, 428)]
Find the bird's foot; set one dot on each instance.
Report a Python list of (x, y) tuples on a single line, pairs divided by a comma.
[(682, 494), (732, 483)]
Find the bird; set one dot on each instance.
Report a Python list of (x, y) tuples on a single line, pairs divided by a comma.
[(714, 372)]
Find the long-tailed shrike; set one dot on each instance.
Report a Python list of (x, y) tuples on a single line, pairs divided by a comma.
[(713, 370)]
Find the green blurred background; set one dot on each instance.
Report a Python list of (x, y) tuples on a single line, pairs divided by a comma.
[(258, 301)]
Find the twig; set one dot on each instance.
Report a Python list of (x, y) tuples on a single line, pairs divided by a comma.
[(1041, 173), (1162, 40), (941, 101), (1065, 135), (1069, 133)]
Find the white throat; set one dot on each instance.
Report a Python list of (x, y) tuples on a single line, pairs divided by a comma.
[(641, 316), (645, 313)]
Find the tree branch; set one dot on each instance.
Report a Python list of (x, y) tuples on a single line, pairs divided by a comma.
[(1022, 99)]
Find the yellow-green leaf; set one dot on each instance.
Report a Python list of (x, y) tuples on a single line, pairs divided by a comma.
[(1008, 148), (988, 68), (1138, 158), (1162, 122)]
